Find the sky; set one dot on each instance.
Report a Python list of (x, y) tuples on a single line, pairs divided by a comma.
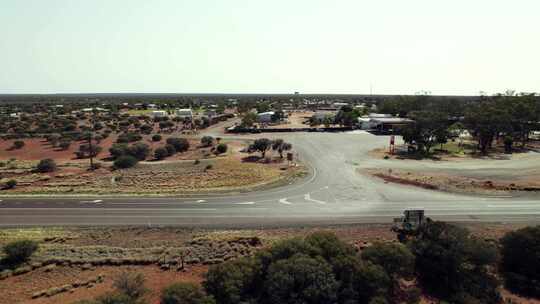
[(459, 47)]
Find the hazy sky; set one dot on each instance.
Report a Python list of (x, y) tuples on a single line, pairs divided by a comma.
[(278, 46)]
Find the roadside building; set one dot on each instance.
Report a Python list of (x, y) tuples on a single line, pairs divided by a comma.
[(159, 113), (184, 113), (382, 122), (96, 109)]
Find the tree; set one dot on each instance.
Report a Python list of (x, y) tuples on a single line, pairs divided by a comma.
[(261, 145), (396, 259), (280, 146), (347, 116), (161, 153), (249, 120), (485, 120), (207, 141), (156, 137), (317, 269), (231, 282), (429, 127), (520, 263), (221, 148), (46, 165), (301, 279), (184, 293), (125, 161), (18, 252), (453, 265)]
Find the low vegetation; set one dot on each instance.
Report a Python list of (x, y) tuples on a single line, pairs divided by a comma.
[(46, 165), (520, 264), (18, 252)]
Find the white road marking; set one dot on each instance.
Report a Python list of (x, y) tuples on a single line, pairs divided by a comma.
[(284, 201), (91, 202), (201, 201), (246, 203), (514, 206), (307, 197)]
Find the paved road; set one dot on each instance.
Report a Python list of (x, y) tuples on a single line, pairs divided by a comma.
[(334, 193)]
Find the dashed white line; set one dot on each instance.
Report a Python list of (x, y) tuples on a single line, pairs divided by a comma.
[(201, 201), (246, 203), (91, 202)]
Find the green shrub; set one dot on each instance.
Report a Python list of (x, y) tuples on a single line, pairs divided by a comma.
[(139, 150), (455, 266), (231, 282), (46, 165), (125, 161), (302, 278), (10, 184), (131, 284), (18, 144), (128, 137), (396, 259), (180, 144), (156, 137), (317, 269), (520, 263), (64, 144), (170, 150), (185, 293), (221, 148), (20, 251), (161, 153), (207, 141), (115, 298)]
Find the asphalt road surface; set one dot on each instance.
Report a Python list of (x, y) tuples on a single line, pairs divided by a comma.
[(334, 193)]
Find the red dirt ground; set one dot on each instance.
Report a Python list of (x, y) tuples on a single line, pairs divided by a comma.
[(38, 148), (156, 280)]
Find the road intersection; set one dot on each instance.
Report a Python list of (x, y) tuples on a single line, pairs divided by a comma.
[(335, 192)]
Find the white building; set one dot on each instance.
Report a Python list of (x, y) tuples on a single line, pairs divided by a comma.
[(184, 113), (381, 121), (159, 113)]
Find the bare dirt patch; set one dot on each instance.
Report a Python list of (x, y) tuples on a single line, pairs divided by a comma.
[(455, 183)]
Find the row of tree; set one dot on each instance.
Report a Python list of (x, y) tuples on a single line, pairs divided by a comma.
[(509, 117)]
